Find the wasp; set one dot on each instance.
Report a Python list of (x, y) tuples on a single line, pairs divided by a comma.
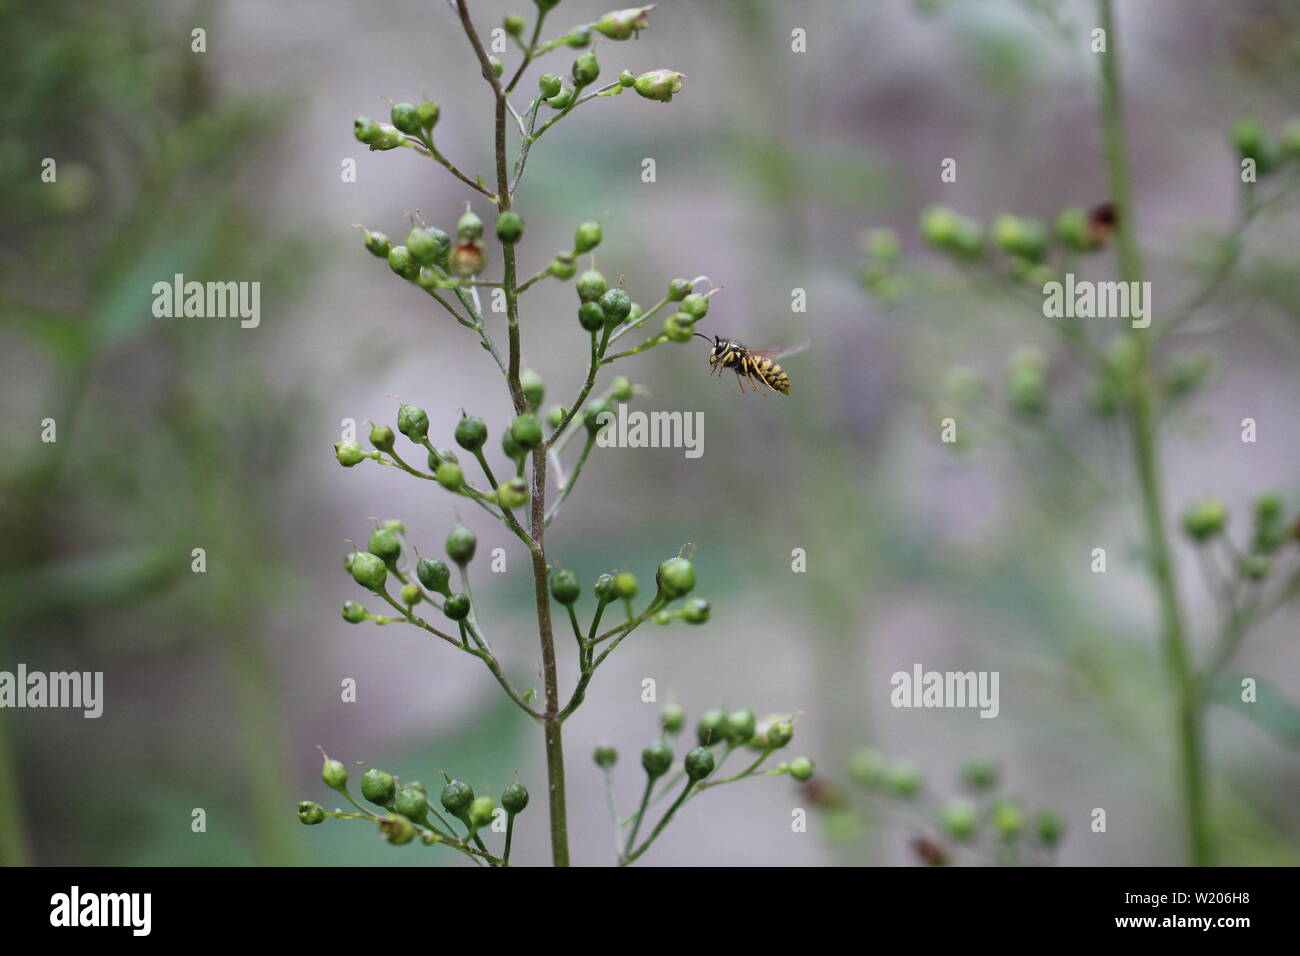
[(751, 365)]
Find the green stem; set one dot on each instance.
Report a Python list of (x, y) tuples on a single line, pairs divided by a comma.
[(659, 827), (640, 815)]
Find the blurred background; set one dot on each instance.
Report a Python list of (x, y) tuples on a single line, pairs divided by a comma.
[(175, 434)]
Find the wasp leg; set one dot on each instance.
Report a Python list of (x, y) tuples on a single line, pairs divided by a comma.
[(750, 375), (740, 380)]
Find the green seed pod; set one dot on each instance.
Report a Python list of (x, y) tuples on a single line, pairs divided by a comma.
[(456, 607), (959, 818), (626, 79), (378, 787), (780, 734), (413, 422), (622, 24), (939, 226), (434, 575), (592, 415), (605, 756), (406, 118), (904, 779), (676, 577), (378, 244), (353, 612), (695, 305), (534, 388), (662, 618), (480, 812), (461, 543), (412, 804), (514, 25), (801, 768), (678, 289), (514, 798), (334, 774), (740, 725), (1205, 519), (981, 774), (1255, 567), (469, 227), (513, 493), (366, 130), (867, 767), (621, 388), (396, 829), (1250, 137), (369, 570), (549, 84), (450, 475), (1071, 228), (696, 611), (428, 245), (390, 137), (555, 415), (1027, 382), (527, 430), (658, 85), (394, 525), (349, 453), (511, 447), (1268, 507), (467, 259), (1022, 237), (563, 267), (672, 718), (617, 304), (402, 262), (565, 586), (699, 763), (1009, 819), (471, 432), (347, 561), (585, 70), (428, 113), (561, 100), (712, 727), (591, 316), (310, 813), (382, 437), (497, 66), (591, 286), (605, 588), (456, 797), (625, 585), (411, 594), (578, 37), (510, 227), (386, 544), (1050, 827), (679, 327), (587, 237), (656, 759)]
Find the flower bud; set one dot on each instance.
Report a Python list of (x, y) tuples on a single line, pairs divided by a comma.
[(428, 245), (626, 79), (591, 316), (396, 829), (587, 237), (450, 475), (565, 587), (412, 803), (1009, 819), (980, 774), (656, 759), (563, 267), (378, 244), (740, 726), (349, 453), (959, 818), (461, 543), (591, 286), (585, 70), (456, 797), (658, 85), (712, 727), (1049, 826), (904, 779), (676, 577), (533, 387), (780, 734), (605, 588), (578, 37), (369, 570), (696, 611), (672, 718), (468, 259), (678, 289), (434, 575), (527, 430), (510, 227), (679, 327), (353, 612), (561, 100), (382, 437), (428, 113), (480, 812), (867, 767), (622, 24), (605, 756), (406, 118), (514, 25), (801, 768), (617, 304), (334, 774), (1205, 519), (413, 422), (411, 594), (695, 305), (591, 416), (699, 763), (378, 787), (366, 130), (513, 493), (549, 84), (621, 388), (457, 606), (310, 813), (514, 798), (402, 262), (471, 432), (625, 585)]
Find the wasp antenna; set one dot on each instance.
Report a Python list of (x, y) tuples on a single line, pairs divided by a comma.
[(703, 336)]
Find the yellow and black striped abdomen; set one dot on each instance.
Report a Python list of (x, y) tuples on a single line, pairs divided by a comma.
[(771, 373)]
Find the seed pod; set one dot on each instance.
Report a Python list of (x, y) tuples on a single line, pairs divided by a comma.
[(428, 245), (533, 386), (591, 286), (555, 415), (396, 829), (592, 415), (679, 327), (390, 137), (468, 259), (867, 767), (413, 422), (591, 316), (456, 797), (656, 758), (378, 244), (480, 812), (1205, 519), (514, 25), (378, 787), (621, 388), (578, 37), (513, 493), (625, 585), (406, 118), (511, 447), (712, 727), (617, 304), (959, 817), (369, 570), (412, 804), (461, 544), (434, 575), (382, 437), (605, 756), (904, 779), (565, 586), (310, 813), (605, 588), (676, 577), (980, 774), (549, 84), (366, 130), (469, 226), (349, 453), (780, 734), (699, 763), (450, 475), (678, 289), (411, 594), (1050, 827), (386, 544), (510, 227), (457, 606), (801, 768), (658, 85), (585, 70), (514, 798), (561, 100), (1009, 819), (672, 718), (740, 726), (428, 113), (497, 66), (471, 432), (563, 267), (527, 430), (1255, 567), (587, 237), (353, 612), (696, 611), (622, 24), (334, 774)]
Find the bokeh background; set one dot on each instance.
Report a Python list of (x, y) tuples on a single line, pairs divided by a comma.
[(175, 434)]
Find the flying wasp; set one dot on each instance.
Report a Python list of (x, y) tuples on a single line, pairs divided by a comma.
[(751, 365)]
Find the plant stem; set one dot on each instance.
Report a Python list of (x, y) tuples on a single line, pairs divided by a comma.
[(1182, 680)]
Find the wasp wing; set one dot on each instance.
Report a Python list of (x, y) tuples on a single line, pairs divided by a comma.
[(781, 353)]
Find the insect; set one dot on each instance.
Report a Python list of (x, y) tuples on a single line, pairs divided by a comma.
[(751, 364)]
